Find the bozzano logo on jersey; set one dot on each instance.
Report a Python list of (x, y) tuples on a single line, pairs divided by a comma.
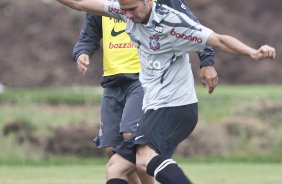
[(186, 37), (121, 45), (116, 10)]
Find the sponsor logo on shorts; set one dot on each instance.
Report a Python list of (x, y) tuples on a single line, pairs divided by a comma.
[(183, 6), (186, 37), (138, 137), (101, 130), (154, 42)]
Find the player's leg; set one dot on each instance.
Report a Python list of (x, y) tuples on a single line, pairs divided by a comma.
[(132, 110), (111, 111), (109, 152), (131, 116), (135, 178), (165, 170), (119, 169), (157, 137), (109, 133), (117, 124), (122, 164)]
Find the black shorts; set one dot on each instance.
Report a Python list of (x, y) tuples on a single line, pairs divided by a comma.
[(162, 130)]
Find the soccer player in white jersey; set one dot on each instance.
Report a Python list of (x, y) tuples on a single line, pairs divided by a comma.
[(121, 104), (163, 37)]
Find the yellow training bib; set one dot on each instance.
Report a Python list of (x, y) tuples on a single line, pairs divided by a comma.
[(120, 54)]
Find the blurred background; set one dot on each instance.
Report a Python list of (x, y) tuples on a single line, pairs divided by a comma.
[(37, 38), (50, 114)]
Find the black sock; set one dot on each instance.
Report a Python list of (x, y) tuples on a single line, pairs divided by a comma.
[(166, 171), (116, 181)]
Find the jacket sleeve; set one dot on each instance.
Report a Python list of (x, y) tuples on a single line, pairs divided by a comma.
[(90, 36), (207, 55)]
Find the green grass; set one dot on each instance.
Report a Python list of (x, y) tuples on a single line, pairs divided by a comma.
[(227, 173), (55, 96), (44, 115), (227, 99), (60, 105), (199, 173), (45, 108), (74, 174)]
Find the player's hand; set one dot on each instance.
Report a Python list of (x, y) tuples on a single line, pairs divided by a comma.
[(209, 77), (82, 62), (264, 52)]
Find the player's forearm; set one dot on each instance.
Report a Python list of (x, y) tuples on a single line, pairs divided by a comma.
[(74, 4), (90, 36), (231, 45), (95, 7)]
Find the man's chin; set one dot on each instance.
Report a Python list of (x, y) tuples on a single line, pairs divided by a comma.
[(136, 20)]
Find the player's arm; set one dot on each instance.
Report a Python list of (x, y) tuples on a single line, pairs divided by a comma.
[(90, 36), (234, 46), (88, 43), (208, 73), (207, 55), (95, 7)]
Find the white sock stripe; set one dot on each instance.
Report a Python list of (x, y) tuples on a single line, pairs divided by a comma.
[(158, 168), (163, 165)]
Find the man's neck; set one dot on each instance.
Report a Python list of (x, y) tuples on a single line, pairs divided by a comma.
[(150, 6)]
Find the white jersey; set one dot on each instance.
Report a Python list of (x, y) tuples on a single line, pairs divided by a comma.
[(163, 44)]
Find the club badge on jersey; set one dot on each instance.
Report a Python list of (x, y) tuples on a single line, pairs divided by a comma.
[(154, 42)]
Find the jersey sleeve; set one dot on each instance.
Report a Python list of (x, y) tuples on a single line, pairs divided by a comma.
[(187, 35), (112, 9), (90, 36)]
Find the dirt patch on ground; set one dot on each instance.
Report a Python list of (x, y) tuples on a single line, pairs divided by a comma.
[(73, 140)]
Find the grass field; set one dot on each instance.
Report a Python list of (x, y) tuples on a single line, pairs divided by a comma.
[(44, 108), (199, 173)]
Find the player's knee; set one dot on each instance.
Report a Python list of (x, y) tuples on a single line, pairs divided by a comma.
[(109, 152), (126, 135), (111, 169), (141, 164), (117, 167), (143, 156)]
